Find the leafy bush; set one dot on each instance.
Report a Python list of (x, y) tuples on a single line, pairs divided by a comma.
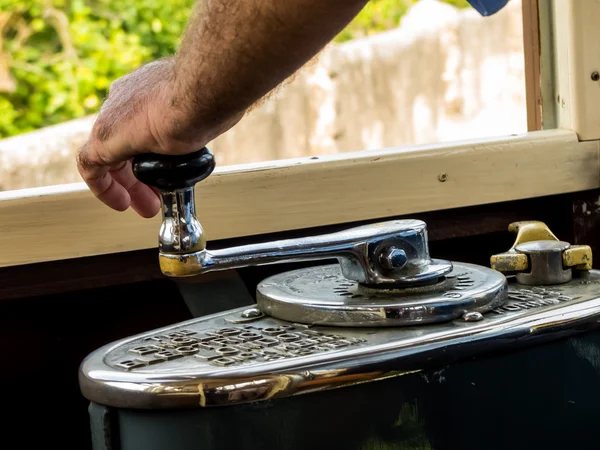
[(65, 53), (58, 57)]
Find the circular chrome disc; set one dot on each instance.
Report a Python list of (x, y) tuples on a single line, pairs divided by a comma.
[(323, 296)]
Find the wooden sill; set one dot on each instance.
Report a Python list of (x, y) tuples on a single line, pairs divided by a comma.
[(64, 222)]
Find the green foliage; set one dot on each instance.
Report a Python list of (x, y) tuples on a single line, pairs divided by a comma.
[(376, 16), (63, 54)]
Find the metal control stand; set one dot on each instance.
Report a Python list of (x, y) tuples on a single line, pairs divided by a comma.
[(355, 355)]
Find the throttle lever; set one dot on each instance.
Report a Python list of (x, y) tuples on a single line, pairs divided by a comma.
[(389, 253), (175, 178)]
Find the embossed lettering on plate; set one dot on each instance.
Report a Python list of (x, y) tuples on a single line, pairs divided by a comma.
[(536, 297), (235, 345)]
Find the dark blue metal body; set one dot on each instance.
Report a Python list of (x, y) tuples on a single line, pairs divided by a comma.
[(488, 7)]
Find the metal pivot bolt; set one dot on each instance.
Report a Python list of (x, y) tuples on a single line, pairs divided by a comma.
[(393, 258), (389, 253), (538, 257)]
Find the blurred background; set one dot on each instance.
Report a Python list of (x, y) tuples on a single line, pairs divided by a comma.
[(404, 72)]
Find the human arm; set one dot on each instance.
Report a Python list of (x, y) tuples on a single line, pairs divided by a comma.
[(232, 54)]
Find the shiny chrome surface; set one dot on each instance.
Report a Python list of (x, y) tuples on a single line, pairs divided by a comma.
[(323, 296), (472, 316), (394, 252), (180, 231), (227, 359), (392, 258), (545, 263)]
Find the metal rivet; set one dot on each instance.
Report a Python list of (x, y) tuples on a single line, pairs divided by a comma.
[(595, 76), (443, 177), (251, 313), (472, 317)]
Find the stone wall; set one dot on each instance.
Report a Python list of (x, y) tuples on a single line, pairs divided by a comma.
[(442, 75)]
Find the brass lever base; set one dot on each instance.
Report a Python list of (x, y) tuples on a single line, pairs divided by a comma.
[(538, 257)]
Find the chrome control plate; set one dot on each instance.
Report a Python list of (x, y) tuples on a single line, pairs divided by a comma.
[(243, 356), (323, 296)]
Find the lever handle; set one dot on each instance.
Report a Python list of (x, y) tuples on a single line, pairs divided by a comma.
[(389, 253), (384, 254), (168, 173), (175, 177)]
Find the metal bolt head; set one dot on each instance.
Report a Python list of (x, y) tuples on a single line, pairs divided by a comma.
[(393, 258), (595, 76), (251, 313), (473, 316), (443, 177)]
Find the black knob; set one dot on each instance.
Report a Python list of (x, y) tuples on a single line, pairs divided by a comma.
[(167, 172)]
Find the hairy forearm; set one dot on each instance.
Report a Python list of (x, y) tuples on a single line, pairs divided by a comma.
[(233, 53), (236, 51)]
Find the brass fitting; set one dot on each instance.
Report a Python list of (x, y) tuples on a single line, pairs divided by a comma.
[(577, 257)]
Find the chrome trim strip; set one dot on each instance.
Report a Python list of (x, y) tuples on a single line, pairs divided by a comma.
[(531, 315)]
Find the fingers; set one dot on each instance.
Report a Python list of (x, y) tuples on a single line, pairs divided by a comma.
[(115, 185), (100, 180), (144, 199)]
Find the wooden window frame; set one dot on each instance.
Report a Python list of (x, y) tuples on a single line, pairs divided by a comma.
[(560, 154)]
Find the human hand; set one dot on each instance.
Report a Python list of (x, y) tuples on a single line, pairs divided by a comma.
[(144, 112)]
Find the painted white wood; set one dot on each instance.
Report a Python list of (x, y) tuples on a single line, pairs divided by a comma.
[(60, 222), (576, 54)]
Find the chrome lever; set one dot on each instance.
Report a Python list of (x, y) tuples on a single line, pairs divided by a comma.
[(394, 252), (389, 253)]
